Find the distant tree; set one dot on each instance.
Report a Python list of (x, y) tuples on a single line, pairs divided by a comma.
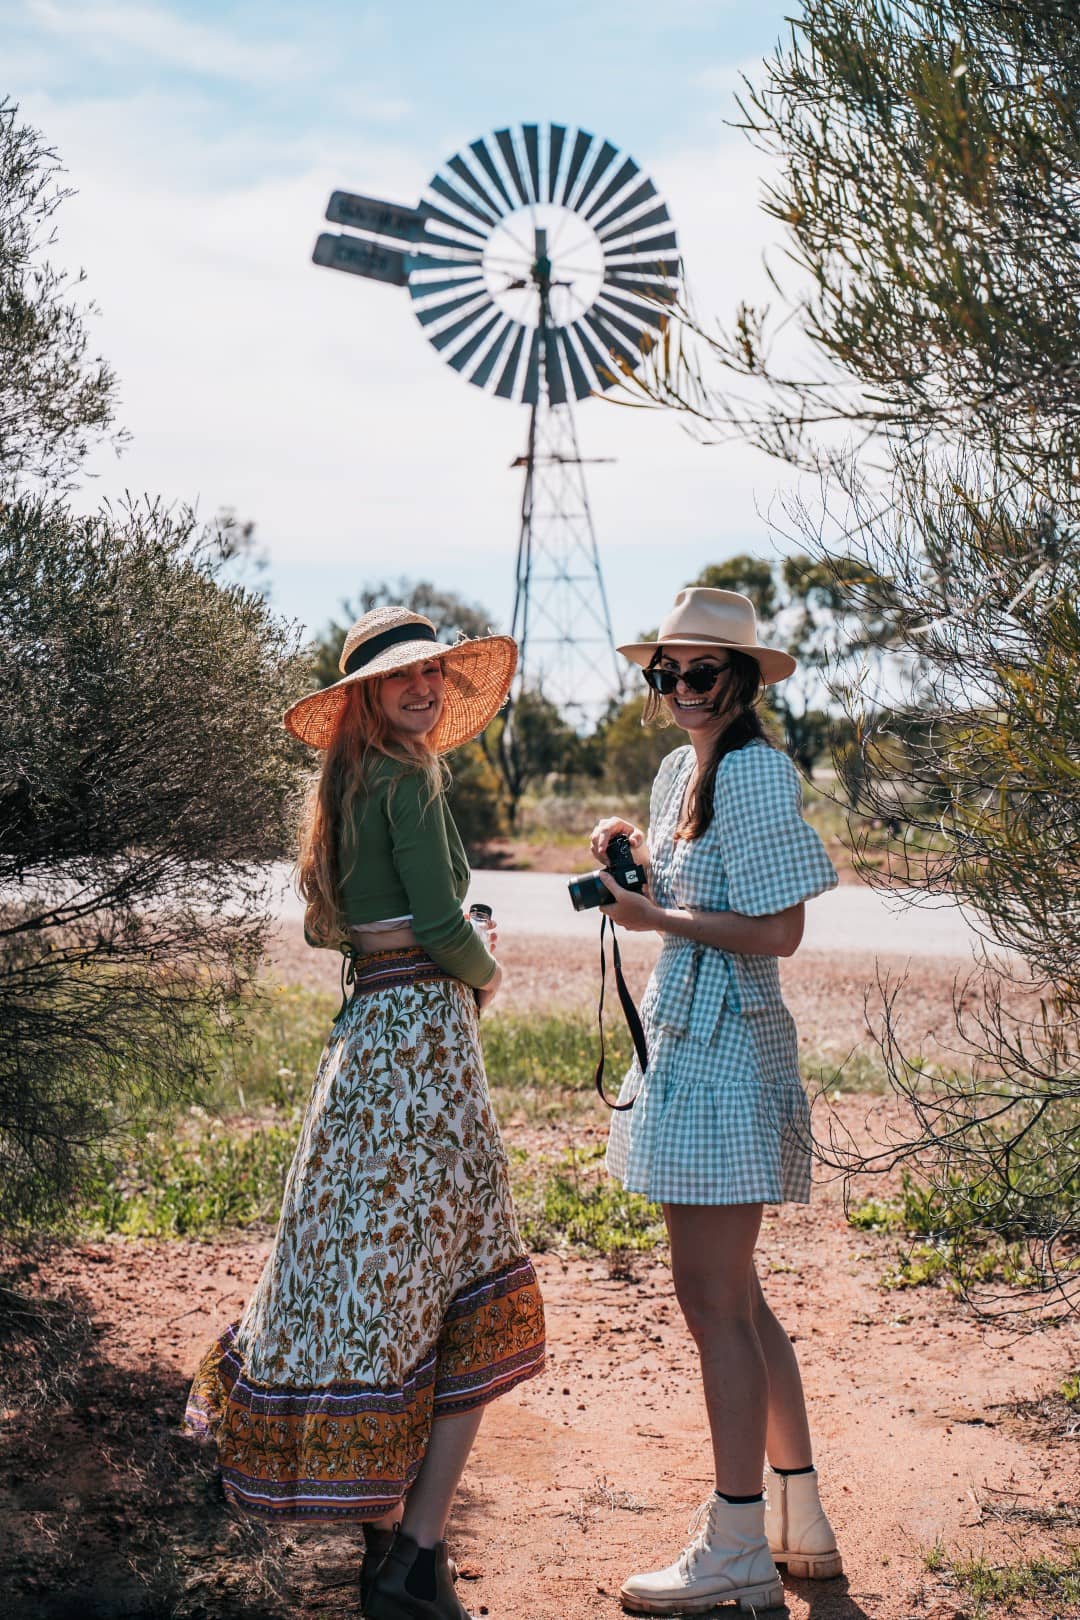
[(533, 741), (633, 752), (145, 780), (56, 398)]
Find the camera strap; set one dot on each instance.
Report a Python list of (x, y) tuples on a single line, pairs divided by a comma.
[(630, 1012)]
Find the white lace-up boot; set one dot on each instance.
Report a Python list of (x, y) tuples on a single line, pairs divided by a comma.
[(727, 1561), (800, 1535)]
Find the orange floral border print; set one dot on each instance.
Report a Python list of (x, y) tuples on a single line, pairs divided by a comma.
[(349, 1450)]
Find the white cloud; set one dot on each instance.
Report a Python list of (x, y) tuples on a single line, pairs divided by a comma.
[(123, 29)]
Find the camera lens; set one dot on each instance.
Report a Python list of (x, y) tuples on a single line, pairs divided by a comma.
[(587, 892)]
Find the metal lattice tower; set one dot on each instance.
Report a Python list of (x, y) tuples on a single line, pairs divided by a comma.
[(540, 263)]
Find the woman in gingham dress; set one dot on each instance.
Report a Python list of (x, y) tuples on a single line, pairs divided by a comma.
[(719, 1123)]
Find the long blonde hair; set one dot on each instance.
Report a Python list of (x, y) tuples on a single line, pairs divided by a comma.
[(328, 849)]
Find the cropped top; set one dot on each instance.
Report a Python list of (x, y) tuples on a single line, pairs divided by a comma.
[(406, 856)]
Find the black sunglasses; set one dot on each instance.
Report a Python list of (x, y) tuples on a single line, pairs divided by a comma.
[(700, 679)]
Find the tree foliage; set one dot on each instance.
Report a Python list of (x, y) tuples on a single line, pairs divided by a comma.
[(56, 398), (145, 779), (927, 177)]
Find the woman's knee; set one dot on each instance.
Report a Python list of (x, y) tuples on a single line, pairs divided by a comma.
[(709, 1305)]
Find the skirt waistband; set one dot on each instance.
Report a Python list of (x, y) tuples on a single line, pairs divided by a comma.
[(363, 974)]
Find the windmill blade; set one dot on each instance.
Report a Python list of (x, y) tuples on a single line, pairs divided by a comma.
[(637, 197), (623, 177), (658, 291), (530, 389), (640, 312), (553, 371), (446, 190), (487, 365), (607, 373), (639, 339), (601, 164), (658, 244), (671, 268), (504, 388), (470, 254), (532, 155), (612, 342), (487, 163), (440, 214), (461, 357), (426, 289), (458, 166), (582, 142), (555, 146), (582, 386), (442, 340), (506, 147), (627, 228), (426, 314), (471, 259)]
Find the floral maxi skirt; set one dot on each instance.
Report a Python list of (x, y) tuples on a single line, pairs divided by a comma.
[(397, 1290)]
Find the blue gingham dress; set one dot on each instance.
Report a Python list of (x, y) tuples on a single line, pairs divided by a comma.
[(721, 1116)]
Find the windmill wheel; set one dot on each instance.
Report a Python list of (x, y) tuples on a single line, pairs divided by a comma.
[(544, 253)]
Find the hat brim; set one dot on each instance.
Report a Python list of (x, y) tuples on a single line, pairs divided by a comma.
[(477, 676), (774, 664)]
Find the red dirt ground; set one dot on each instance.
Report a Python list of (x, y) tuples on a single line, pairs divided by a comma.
[(588, 1472)]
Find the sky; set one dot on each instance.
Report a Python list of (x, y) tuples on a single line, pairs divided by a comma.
[(203, 141)]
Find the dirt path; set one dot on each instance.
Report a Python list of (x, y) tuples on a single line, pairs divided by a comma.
[(580, 1476)]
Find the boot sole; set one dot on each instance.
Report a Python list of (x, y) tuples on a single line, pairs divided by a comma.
[(769, 1596), (811, 1566)]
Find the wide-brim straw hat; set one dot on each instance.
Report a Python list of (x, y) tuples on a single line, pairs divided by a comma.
[(703, 617), (477, 675)]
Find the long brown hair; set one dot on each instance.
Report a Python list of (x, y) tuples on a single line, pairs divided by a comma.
[(327, 834), (736, 706)]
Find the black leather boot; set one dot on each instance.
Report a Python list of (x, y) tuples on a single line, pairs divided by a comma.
[(377, 1543), (411, 1586)]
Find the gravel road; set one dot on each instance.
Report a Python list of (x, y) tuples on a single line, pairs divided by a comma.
[(850, 918)]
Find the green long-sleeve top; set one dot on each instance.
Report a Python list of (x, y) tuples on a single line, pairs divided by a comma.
[(406, 856)]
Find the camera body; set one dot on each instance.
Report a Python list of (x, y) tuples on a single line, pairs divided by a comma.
[(588, 891)]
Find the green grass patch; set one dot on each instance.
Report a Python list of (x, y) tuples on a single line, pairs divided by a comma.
[(222, 1163), (950, 1242), (571, 1203), (1050, 1581), (193, 1184)]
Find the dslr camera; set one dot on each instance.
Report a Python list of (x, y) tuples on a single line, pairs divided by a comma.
[(589, 891)]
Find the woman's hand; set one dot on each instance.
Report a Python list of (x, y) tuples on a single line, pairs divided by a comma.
[(487, 993), (631, 910), (604, 832)]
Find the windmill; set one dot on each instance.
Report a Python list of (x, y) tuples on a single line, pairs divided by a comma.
[(540, 263)]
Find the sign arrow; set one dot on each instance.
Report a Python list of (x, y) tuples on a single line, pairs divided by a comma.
[(361, 258), (374, 215)]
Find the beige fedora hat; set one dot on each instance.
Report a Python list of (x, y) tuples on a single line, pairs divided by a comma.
[(477, 675), (703, 617)]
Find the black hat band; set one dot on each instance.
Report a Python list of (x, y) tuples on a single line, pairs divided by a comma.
[(367, 650)]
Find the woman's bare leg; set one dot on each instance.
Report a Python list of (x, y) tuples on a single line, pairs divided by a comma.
[(788, 1433), (427, 1506), (712, 1264)]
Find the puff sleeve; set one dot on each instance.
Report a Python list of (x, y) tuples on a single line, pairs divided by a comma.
[(772, 857)]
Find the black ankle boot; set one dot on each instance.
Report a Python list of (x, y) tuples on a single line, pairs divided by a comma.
[(377, 1543), (409, 1586)]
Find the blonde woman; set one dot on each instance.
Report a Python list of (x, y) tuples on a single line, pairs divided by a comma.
[(719, 1123), (397, 1300)]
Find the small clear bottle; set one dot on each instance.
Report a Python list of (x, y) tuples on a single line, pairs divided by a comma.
[(480, 916)]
